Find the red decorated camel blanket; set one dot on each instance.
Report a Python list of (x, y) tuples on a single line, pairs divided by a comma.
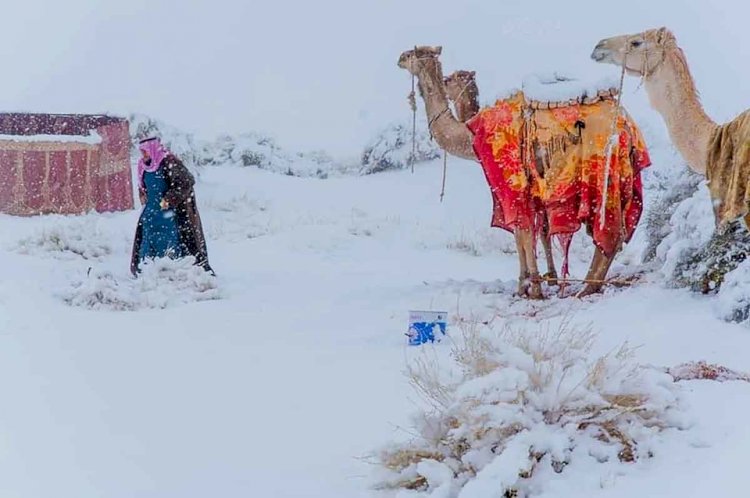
[(542, 158)]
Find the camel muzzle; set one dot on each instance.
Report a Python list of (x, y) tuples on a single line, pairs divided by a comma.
[(601, 53)]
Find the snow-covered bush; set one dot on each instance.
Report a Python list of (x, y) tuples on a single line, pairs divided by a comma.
[(162, 283), (101, 290), (516, 407), (659, 221), (706, 269), (188, 148), (392, 149), (682, 236), (245, 150), (68, 240), (389, 149), (689, 230), (733, 303)]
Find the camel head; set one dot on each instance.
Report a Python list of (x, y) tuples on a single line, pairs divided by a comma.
[(458, 82), (412, 60), (640, 53)]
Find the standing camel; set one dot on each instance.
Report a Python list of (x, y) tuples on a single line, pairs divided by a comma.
[(720, 152), (457, 138)]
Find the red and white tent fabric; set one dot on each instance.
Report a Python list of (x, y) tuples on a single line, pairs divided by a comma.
[(65, 164)]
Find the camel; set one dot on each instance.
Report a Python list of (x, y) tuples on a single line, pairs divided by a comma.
[(454, 136), (713, 150)]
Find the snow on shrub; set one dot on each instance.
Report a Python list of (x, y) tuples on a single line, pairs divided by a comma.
[(659, 218), (163, 283), (245, 149), (101, 290), (185, 145), (733, 302), (77, 239), (392, 149), (516, 407), (691, 227), (696, 255)]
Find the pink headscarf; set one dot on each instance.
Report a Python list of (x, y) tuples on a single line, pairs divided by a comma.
[(156, 151)]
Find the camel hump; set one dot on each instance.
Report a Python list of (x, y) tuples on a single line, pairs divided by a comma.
[(549, 91), (461, 75)]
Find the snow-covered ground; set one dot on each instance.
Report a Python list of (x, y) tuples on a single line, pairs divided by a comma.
[(283, 376), (280, 377)]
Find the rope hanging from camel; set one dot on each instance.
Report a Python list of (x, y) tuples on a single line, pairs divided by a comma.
[(445, 154), (613, 281), (445, 172), (612, 142), (413, 105)]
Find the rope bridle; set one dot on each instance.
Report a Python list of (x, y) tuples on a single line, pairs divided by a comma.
[(413, 105), (612, 141)]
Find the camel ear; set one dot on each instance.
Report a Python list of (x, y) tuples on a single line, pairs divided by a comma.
[(662, 34), (438, 50), (472, 73)]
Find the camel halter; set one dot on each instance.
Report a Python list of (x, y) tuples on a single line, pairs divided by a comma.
[(413, 105)]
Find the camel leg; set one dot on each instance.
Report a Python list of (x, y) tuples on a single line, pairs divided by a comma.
[(523, 270), (529, 280), (551, 275), (600, 264)]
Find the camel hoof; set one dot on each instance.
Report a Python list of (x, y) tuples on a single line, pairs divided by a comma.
[(551, 278), (589, 290), (523, 286), (530, 287), (531, 290), (535, 292)]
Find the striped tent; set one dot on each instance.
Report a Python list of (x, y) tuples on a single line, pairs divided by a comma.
[(64, 163)]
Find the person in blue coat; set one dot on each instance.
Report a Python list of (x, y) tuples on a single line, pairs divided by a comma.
[(169, 225)]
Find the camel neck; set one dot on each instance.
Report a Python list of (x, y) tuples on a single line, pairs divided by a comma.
[(673, 94), (432, 89)]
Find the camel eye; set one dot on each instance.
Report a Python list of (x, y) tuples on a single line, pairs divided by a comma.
[(636, 43)]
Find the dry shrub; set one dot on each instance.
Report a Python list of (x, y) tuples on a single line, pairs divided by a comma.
[(514, 405)]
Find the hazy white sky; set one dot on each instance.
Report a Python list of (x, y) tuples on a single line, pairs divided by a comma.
[(322, 74)]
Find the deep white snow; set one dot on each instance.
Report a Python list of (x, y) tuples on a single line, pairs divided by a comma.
[(282, 375), (275, 380)]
